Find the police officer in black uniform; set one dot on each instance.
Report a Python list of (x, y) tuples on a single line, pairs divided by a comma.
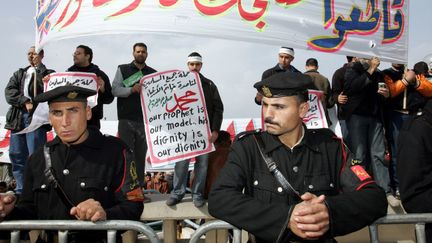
[(95, 173), (324, 191), (414, 165)]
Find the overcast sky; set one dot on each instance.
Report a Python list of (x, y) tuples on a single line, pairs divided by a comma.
[(234, 66)]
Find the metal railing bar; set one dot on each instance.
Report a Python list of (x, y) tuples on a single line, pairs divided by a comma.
[(60, 225), (215, 225)]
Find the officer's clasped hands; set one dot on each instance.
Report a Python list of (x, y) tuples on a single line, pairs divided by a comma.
[(310, 218)]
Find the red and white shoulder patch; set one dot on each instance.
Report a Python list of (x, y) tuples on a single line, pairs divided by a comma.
[(360, 172)]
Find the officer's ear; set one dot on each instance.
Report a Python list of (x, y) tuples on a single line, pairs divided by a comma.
[(304, 108), (88, 112)]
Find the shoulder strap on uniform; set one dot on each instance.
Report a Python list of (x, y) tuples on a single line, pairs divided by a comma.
[(271, 165), (49, 173)]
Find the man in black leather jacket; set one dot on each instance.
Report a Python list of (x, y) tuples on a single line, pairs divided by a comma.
[(19, 93)]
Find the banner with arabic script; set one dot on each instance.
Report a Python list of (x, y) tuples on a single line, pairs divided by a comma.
[(175, 117), (352, 27)]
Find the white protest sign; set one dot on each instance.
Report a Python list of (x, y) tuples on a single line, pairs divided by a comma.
[(81, 79), (175, 117), (315, 117)]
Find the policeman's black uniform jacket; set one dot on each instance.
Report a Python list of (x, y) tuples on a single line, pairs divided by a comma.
[(414, 165), (99, 168), (320, 164)]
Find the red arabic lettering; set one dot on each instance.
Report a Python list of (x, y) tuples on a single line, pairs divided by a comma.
[(288, 2), (392, 34), (66, 10), (98, 3), (356, 23), (260, 4), (167, 3), (182, 101), (217, 7), (131, 7)]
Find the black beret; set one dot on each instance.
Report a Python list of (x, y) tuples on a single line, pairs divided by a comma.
[(67, 93), (284, 84)]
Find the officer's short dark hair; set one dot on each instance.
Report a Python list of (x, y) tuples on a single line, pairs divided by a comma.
[(87, 51), (349, 58), (140, 44), (312, 62)]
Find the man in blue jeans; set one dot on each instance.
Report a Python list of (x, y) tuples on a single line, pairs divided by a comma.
[(19, 93), (363, 115), (215, 115)]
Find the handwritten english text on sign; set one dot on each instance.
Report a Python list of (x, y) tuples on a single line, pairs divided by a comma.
[(175, 117)]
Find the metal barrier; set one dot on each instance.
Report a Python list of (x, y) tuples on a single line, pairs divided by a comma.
[(418, 219), (214, 225), (111, 226)]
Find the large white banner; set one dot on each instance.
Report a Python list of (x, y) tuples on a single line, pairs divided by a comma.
[(350, 27)]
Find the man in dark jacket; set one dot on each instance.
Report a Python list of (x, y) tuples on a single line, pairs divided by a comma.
[(414, 165), (339, 97), (325, 192), (127, 89), (82, 58), (19, 93), (214, 108), (363, 116), (91, 176)]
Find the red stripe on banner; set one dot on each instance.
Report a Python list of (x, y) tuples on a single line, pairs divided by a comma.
[(5, 142), (250, 126), (231, 130)]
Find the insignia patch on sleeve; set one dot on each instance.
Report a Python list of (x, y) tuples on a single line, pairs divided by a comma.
[(355, 161), (360, 172), (135, 195)]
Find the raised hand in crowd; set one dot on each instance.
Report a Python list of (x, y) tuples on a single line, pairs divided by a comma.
[(310, 218), (373, 65), (384, 91), (409, 78)]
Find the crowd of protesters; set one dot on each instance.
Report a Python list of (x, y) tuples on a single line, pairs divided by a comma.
[(373, 107)]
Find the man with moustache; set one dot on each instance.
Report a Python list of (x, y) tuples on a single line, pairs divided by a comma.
[(82, 58), (290, 183), (127, 89), (19, 94)]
